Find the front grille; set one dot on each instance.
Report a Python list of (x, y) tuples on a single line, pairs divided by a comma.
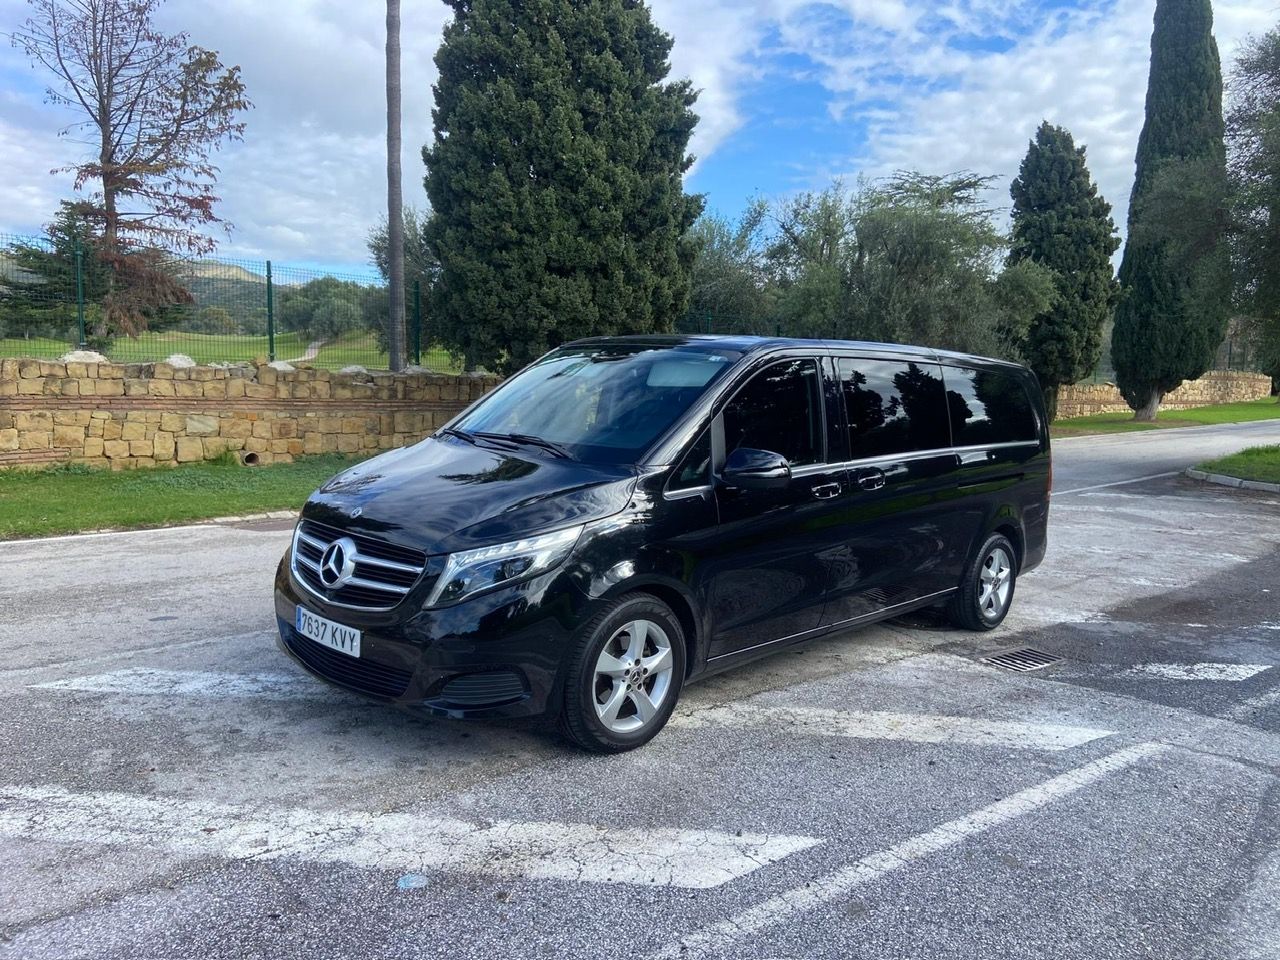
[(382, 575), (356, 673), (481, 689)]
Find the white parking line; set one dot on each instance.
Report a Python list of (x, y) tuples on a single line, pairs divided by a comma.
[(719, 938), (1229, 672), (912, 727), (1118, 483), (144, 681), (1249, 709), (401, 842), (131, 653)]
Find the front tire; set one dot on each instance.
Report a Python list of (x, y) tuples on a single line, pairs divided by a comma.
[(625, 673), (986, 592)]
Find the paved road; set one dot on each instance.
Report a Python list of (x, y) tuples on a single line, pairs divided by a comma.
[(171, 788), (1089, 461)]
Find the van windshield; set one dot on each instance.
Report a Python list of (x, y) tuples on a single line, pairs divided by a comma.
[(603, 403)]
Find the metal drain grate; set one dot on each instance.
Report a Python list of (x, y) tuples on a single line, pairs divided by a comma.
[(1024, 660)]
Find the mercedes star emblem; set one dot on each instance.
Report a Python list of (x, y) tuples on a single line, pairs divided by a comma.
[(338, 565)]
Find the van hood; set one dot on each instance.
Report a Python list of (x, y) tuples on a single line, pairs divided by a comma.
[(444, 495)]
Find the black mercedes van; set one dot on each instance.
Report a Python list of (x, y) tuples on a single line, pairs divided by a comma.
[(629, 514)]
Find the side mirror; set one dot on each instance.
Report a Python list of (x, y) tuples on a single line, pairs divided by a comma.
[(750, 469)]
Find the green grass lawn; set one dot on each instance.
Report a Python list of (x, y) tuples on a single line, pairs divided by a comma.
[(358, 348), (1256, 463), (73, 499), (1267, 409)]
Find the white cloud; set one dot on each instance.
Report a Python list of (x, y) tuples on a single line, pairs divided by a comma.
[(931, 106), (921, 75), (308, 181)]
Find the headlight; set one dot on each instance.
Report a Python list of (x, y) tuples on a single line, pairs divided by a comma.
[(472, 571)]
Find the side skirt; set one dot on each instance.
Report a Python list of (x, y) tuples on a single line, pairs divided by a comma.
[(727, 661)]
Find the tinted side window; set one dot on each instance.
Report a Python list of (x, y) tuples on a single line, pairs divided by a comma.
[(988, 407), (695, 470), (778, 410), (893, 407)]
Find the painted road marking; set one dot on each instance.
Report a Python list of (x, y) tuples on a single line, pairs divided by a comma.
[(130, 654), (1118, 483), (915, 728), (399, 842), (1249, 709), (144, 681), (719, 938), (1229, 672)]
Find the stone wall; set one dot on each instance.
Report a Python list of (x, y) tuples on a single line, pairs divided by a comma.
[(146, 415), (1217, 386)]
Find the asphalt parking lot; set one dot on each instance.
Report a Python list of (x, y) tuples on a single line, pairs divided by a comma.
[(172, 787)]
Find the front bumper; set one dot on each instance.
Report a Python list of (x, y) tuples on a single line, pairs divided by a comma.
[(497, 655)]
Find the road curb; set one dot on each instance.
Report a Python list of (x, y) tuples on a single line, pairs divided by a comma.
[(1225, 481), (165, 528)]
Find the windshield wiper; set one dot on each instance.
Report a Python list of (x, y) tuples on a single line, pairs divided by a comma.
[(530, 440), (460, 434)]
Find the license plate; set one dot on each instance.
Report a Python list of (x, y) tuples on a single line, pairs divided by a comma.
[(333, 635)]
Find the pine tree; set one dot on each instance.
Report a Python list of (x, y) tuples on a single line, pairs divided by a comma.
[(556, 177), (1253, 133), (1175, 276), (1060, 222)]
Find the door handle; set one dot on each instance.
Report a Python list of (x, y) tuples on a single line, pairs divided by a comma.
[(871, 478), (827, 491)]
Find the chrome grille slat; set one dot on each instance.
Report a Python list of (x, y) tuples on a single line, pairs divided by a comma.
[(380, 575), (389, 565), (374, 585), (307, 562), (318, 544)]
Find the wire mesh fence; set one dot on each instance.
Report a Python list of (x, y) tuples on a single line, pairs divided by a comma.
[(54, 294), (54, 297)]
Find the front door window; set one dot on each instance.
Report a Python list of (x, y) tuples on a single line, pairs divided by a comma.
[(779, 410)]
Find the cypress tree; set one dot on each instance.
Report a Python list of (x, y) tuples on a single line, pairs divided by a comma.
[(1060, 222), (556, 177), (1175, 276)]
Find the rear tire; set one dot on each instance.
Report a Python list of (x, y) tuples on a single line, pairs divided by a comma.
[(986, 592), (625, 673)]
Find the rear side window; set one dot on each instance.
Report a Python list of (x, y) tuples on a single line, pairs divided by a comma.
[(989, 406), (779, 411), (893, 407)]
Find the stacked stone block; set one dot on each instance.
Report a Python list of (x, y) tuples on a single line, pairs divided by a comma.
[(125, 416), (1217, 386)]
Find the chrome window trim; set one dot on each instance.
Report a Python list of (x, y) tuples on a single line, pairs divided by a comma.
[(936, 452), (688, 493), (814, 469)]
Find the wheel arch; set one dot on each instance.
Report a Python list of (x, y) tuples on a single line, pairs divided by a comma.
[(677, 596), (1013, 532)]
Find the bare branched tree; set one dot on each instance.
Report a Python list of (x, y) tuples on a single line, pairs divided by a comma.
[(153, 110)]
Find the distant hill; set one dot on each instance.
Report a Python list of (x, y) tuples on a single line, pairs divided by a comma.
[(214, 270)]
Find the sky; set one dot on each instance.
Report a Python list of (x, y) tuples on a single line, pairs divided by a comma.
[(793, 94)]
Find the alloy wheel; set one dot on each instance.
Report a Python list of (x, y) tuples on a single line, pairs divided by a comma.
[(633, 676), (995, 583)]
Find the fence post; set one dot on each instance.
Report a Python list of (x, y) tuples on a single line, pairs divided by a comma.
[(84, 343), (271, 318), (417, 323)]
